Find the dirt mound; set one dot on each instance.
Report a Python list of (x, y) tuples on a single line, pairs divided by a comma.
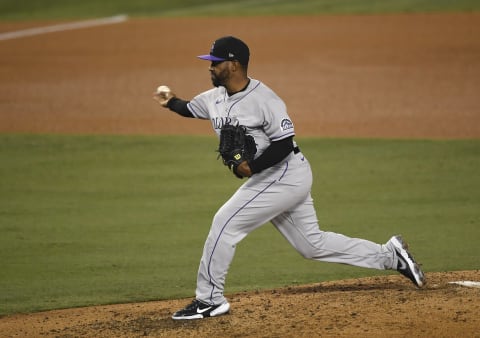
[(378, 307)]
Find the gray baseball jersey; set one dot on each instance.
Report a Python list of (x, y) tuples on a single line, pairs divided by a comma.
[(279, 194), (257, 107)]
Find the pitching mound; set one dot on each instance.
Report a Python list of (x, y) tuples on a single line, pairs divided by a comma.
[(377, 307)]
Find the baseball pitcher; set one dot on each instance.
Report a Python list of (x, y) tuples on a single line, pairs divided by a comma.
[(256, 142)]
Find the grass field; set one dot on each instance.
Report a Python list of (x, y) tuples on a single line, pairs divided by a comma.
[(62, 9), (104, 219)]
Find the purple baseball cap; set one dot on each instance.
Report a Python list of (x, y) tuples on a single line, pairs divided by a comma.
[(228, 48)]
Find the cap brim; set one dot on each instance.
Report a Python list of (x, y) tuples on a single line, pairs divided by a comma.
[(210, 58)]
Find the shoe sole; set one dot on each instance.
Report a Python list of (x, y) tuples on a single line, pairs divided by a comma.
[(402, 247), (221, 310)]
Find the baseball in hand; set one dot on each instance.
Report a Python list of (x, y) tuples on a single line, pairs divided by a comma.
[(163, 95), (163, 89)]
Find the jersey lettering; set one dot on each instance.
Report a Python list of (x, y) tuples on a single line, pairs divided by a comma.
[(219, 122)]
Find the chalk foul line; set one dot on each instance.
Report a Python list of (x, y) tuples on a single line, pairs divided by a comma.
[(468, 283), (63, 27)]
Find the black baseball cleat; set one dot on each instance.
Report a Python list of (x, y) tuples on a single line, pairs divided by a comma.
[(198, 310), (406, 263)]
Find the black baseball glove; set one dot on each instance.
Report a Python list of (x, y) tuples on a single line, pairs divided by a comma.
[(236, 146)]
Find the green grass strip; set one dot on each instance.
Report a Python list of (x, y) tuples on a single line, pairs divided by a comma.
[(105, 219), (68, 9)]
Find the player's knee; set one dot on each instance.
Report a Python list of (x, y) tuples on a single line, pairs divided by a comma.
[(219, 220), (306, 253)]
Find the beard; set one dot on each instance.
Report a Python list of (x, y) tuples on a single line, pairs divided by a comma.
[(219, 79), (215, 81)]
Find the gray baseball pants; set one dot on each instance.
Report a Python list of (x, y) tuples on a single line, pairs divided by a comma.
[(280, 194)]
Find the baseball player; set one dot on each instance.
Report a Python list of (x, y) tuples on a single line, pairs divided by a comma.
[(277, 186)]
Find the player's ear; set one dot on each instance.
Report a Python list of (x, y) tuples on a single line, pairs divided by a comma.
[(235, 65)]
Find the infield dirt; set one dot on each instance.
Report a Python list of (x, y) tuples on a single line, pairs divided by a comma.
[(392, 76)]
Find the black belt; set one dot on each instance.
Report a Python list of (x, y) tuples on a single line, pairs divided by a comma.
[(296, 150)]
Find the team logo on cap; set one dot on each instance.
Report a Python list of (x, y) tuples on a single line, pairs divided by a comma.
[(286, 124)]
